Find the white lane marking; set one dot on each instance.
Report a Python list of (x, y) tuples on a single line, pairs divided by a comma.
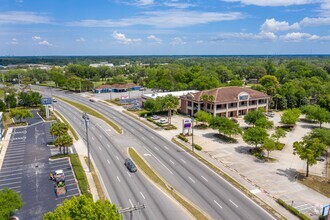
[(156, 148), (205, 179), (158, 160), (183, 160), (191, 179), (233, 203), (100, 136), (92, 137), (117, 157), (152, 137), (118, 179), (130, 202), (108, 161), (11, 183), (166, 147), (143, 138), (15, 178), (217, 203), (13, 174), (132, 129), (93, 128), (128, 174), (171, 161), (108, 145), (100, 148), (142, 195)]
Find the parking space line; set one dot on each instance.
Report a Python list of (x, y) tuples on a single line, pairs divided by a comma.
[(100, 148), (70, 184), (142, 195), (18, 156), (15, 178), (217, 203), (156, 148), (10, 167), (118, 179), (12, 187), (117, 157), (15, 152), (130, 202), (233, 203), (73, 189), (12, 183), (13, 174), (2, 171), (171, 161)]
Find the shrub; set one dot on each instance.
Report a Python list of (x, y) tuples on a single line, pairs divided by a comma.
[(181, 137), (197, 147), (292, 210)]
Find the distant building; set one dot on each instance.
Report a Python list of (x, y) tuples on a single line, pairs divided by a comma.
[(145, 97), (1, 125), (101, 64), (117, 88), (230, 101)]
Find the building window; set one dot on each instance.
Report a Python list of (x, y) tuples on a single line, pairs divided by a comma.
[(189, 103)]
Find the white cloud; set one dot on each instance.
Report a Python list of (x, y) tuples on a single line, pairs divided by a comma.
[(80, 39), (298, 36), (199, 41), (21, 17), (14, 41), (163, 19), (177, 41), (45, 43), (144, 2), (156, 39), (315, 21), (271, 25), (180, 5), (276, 2), (247, 36), (36, 38), (121, 38)]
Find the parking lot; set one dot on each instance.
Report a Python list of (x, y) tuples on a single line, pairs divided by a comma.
[(26, 169)]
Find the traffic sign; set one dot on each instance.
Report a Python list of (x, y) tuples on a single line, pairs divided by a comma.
[(46, 101)]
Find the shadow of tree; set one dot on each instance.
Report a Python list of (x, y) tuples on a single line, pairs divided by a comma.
[(290, 173)]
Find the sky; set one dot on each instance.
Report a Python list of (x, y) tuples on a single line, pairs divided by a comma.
[(164, 27)]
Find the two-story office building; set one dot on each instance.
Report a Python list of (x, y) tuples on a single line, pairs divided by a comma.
[(230, 101)]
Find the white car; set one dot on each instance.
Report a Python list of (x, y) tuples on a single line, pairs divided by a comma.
[(163, 121), (155, 117)]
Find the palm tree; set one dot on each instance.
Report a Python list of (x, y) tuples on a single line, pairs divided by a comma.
[(206, 98), (59, 129), (170, 103), (64, 141)]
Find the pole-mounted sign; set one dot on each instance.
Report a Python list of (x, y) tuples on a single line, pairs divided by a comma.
[(46, 102)]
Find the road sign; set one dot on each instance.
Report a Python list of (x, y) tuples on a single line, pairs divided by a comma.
[(46, 101), (186, 122), (326, 210)]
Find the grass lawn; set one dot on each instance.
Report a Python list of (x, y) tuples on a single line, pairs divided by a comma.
[(98, 83), (97, 182), (2, 94), (319, 184)]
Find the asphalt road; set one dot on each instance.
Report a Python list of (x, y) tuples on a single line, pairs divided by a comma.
[(26, 170), (195, 181), (124, 188)]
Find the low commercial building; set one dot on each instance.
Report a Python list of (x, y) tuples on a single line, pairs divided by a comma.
[(230, 101), (117, 88), (145, 97)]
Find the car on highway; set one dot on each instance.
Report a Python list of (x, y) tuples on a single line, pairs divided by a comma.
[(91, 100), (155, 117), (54, 100), (130, 165)]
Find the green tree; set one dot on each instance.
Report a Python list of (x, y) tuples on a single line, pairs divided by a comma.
[(269, 145), (255, 136), (316, 113), (323, 134), (203, 116), (11, 101), (170, 103), (279, 133), (58, 129), (290, 117), (24, 99), (309, 150), (270, 83), (2, 106), (35, 98), (83, 207), (20, 114), (253, 116), (64, 141), (225, 126), (9, 202), (264, 123), (205, 98), (152, 105)]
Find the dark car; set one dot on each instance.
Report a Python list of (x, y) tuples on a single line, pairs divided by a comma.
[(130, 165), (321, 159)]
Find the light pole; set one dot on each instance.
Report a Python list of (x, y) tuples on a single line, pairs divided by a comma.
[(192, 134), (86, 119)]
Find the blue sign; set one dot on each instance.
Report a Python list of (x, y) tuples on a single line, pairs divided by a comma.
[(326, 210), (46, 101), (243, 97)]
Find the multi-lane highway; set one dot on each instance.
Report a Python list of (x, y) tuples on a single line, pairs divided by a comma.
[(124, 188), (188, 176)]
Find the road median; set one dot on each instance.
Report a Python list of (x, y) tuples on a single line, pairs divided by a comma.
[(152, 175)]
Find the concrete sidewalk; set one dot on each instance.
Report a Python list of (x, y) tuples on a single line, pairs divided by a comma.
[(4, 145)]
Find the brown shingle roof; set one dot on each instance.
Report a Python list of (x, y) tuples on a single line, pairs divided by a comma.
[(229, 94)]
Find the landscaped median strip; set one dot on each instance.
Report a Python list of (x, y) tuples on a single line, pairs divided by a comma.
[(73, 132), (92, 112), (137, 118), (231, 180), (145, 168)]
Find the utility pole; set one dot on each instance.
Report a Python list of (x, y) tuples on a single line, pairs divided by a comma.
[(86, 120), (192, 134), (132, 209)]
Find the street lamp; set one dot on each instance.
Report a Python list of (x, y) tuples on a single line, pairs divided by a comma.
[(192, 134), (86, 120)]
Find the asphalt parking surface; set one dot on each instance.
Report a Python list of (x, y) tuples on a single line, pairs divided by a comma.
[(26, 169)]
